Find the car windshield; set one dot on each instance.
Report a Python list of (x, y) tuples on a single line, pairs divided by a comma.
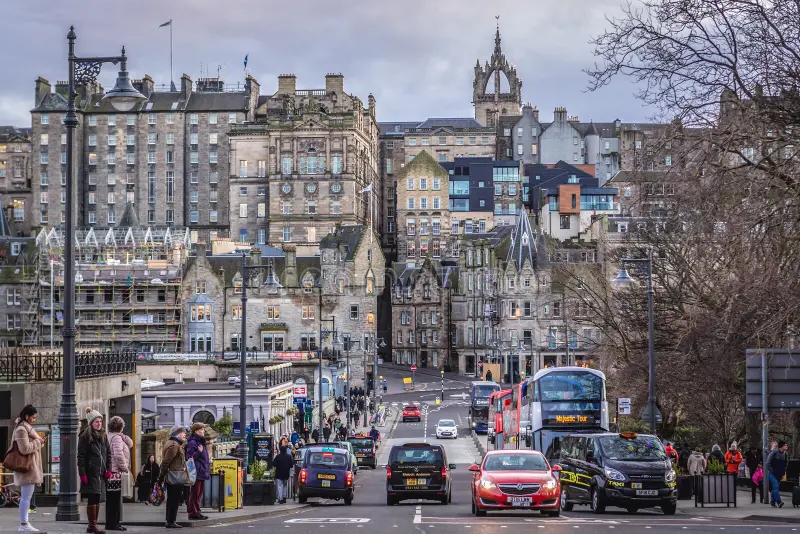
[(327, 459), (447, 422), (416, 456), (638, 449), (515, 462), (361, 442)]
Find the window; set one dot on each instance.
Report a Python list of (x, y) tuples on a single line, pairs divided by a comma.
[(354, 312), (527, 306), (111, 198), (336, 207), (410, 184), (564, 222), (556, 309), (411, 203), (498, 189), (213, 177), (212, 156), (151, 138), (412, 141), (287, 234), (212, 118), (423, 184), (232, 118), (112, 217), (170, 216), (212, 216), (44, 119), (311, 207), (130, 158), (171, 117), (170, 138), (43, 179), (170, 186), (459, 140), (423, 203), (193, 197), (473, 140), (243, 210), (44, 139), (668, 160), (193, 118), (308, 312)]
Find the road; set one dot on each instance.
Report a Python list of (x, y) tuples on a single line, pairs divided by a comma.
[(369, 513)]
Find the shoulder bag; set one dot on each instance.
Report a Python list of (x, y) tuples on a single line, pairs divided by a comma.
[(15, 461)]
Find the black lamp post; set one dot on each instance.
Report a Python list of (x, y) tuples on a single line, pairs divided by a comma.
[(124, 98), (243, 450), (324, 334), (624, 279)]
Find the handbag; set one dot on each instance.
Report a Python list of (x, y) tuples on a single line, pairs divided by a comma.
[(115, 482), (191, 471), (16, 461), (177, 478), (157, 495)]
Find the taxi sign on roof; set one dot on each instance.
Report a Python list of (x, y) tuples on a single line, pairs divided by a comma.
[(328, 449)]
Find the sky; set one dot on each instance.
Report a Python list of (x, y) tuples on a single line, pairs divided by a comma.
[(417, 57)]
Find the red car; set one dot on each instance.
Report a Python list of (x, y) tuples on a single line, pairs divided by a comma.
[(515, 480), (411, 412)]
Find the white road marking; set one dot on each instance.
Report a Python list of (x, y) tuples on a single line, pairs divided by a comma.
[(328, 520)]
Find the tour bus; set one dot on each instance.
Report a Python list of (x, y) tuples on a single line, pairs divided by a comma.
[(496, 402), (515, 414), (563, 401), (479, 393)]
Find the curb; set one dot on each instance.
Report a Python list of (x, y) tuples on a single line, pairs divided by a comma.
[(212, 520), (771, 519), (478, 444)]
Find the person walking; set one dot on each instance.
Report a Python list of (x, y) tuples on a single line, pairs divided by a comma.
[(776, 469), (150, 472), (752, 462), (94, 466), (696, 465), (283, 466), (315, 435), (173, 469), (29, 444), (119, 446), (758, 482), (733, 458), (326, 432), (197, 450)]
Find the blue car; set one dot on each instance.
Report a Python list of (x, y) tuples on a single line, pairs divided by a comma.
[(326, 472)]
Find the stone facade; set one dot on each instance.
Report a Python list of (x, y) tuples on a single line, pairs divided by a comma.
[(313, 152), (489, 106), (15, 177)]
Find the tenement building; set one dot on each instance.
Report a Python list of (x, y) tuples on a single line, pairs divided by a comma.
[(306, 163), (15, 177)]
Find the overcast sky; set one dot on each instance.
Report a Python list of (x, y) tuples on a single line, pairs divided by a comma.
[(415, 56)]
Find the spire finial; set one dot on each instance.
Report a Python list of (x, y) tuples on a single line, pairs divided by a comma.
[(497, 36)]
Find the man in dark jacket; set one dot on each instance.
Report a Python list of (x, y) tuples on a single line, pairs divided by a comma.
[(775, 469), (751, 461), (283, 467), (683, 456), (196, 450), (315, 435), (326, 432)]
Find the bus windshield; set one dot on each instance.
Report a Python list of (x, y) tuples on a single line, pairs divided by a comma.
[(484, 391), (569, 386)]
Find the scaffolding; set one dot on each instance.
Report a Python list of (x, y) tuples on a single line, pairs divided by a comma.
[(128, 285)]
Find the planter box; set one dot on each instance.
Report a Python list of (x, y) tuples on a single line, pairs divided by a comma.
[(685, 486), (715, 489), (259, 493)]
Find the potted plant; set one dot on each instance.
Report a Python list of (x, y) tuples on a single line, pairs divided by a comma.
[(684, 483), (260, 490), (716, 486)]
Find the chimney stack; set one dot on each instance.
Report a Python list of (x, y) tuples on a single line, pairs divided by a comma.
[(200, 250), (560, 114), (536, 113), (334, 83), (287, 84), (42, 90), (290, 272), (186, 86), (145, 85)]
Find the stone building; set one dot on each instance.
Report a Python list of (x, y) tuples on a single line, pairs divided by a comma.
[(423, 214), (489, 106), (15, 177), (168, 157), (308, 155), (18, 270)]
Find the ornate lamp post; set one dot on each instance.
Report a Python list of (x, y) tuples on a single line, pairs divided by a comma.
[(123, 97)]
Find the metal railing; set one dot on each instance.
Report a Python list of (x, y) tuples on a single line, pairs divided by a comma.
[(23, 365)]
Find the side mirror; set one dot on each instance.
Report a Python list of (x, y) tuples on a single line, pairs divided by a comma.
[(451, 466), (474, 468)]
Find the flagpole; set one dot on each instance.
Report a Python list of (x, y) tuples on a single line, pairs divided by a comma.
[(171, 74)]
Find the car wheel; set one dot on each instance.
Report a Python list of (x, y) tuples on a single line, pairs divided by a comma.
[(565, 505), (597, 505), (551, 513), (450, 497), (302, 499), (348, 501), (390, 501), (669, 509), (632, 509)]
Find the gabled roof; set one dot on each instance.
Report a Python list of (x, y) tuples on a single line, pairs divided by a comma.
[(347, 236), (7, 228), (525, 245), (129, 218), (51, 102)]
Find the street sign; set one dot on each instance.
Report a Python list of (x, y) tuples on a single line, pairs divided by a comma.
[(624, 406), (413, 367), (783, 380), (300, 392)]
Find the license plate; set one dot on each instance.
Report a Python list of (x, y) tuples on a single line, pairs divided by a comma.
[(416, 482), (647, 493), (519, 501), (360, 455), (326, 483), (323, 476)]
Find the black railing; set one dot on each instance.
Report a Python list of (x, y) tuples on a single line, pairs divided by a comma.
[(20, 365)]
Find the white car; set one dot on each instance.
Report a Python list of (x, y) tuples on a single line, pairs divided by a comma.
[(446, 428), (233, 380)]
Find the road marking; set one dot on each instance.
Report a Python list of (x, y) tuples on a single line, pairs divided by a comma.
[(418, 515), (329, 520)]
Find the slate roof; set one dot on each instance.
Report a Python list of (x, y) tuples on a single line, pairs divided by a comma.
[(14, 134), (553, 176), (234, 101), (349, 236), (451, 123), (51, 102), (164, 102), (395, 128), (603, 129)]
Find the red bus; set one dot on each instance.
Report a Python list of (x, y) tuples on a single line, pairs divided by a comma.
[(496, 402), (514, 412)]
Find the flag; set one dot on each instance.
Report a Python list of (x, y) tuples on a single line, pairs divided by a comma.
[(367, 189), (245, 60), (168, 23)]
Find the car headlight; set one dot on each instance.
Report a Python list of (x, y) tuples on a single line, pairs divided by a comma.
[(487, 484), (670, 476), (613, 474), (473, 424), (550, 484)]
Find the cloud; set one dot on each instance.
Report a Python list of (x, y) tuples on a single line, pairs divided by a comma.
[(416, 57)]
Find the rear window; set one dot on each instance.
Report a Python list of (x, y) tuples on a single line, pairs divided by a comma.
[(359, 442), (417, 456), (410, 408), (326, 459), (515, 462)]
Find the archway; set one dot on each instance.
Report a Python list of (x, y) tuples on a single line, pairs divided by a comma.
[(203, 416)]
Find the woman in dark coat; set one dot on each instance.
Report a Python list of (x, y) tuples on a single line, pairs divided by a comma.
[(94, 466), (148, 479), (174, 460), (197, 450)]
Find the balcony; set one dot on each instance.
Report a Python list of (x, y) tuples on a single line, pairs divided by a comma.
[(24, 365)]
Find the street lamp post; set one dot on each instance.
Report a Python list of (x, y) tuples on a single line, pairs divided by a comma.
[(124, 98), (350, 343), (324, 334), (624, 279), (375, 342)]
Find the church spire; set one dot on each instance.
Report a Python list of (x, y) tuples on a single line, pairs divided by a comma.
[(497, 51)]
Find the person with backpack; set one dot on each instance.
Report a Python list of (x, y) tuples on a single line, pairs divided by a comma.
[(776, 469)]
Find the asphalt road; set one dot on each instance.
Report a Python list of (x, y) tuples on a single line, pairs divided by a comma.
[(369, 513)]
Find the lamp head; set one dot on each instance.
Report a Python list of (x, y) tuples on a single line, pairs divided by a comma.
[(623, 279), (124, 95)]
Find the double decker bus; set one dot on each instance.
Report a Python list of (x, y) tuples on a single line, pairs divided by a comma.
[(479, 393), (497, 400), (516, 413), (564, 400)]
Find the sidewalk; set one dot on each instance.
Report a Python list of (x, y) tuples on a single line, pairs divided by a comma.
[(744, 510), (138, 515)]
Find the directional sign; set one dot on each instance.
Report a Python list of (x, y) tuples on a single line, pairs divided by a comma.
[(413, 367), (624, 406), (783, 379)]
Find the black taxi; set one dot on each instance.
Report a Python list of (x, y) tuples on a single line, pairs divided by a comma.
[(628, 470), (418, 471), (364, 449)]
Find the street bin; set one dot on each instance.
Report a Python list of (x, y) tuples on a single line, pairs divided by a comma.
[(232, 480)]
